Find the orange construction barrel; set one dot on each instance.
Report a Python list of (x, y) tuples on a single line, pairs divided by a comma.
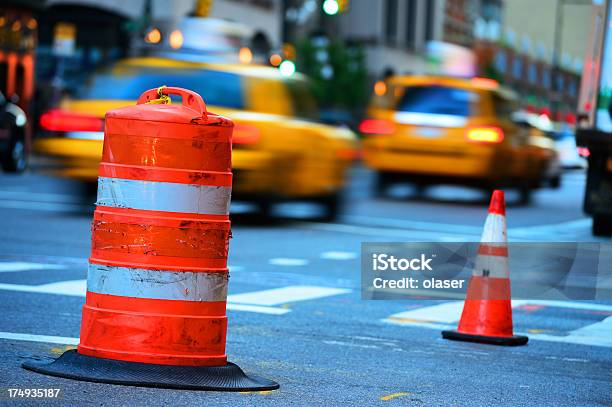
[(155, 311)]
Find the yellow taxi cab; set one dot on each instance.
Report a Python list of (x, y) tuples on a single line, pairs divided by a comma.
[(279, 151), (426, 130)]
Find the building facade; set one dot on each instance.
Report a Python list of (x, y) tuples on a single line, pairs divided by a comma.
[(394, 32), (534, 47), (539, 51)]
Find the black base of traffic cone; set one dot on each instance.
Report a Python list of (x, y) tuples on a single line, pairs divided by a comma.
[(72, 365), (515, 340)]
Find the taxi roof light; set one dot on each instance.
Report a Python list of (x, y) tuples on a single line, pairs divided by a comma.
[(376, 126), (245, 134), (65, 121), (487, 135), (486, 83)]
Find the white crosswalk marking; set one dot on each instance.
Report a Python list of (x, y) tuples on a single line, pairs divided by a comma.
[(286, 261), (262, 302), (285, 295), (257, 309), (13, 266), (60, 340), (75, 288), (597, 334), (338, 255), (37, 201), (446, 315)]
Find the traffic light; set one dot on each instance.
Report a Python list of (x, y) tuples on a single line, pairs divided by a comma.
[(331, 7)]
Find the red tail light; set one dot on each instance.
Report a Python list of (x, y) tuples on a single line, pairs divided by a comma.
[(245, 134), (376, 126), (583, 152), (487, 135), (65, 121)]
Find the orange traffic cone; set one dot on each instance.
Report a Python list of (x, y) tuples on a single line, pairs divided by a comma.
[(487, 312)]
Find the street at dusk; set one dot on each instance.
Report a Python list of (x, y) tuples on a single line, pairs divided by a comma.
[(306, 202), (313, 333)]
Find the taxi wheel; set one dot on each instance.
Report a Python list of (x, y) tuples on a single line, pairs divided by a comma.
[(15, 158), (88, 192), (381, 183), (525, 194), (264, 208), (602, 225), (555, 182), (332, 204), (420, 189)]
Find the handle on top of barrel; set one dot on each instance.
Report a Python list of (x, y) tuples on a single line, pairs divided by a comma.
[(161, 95)]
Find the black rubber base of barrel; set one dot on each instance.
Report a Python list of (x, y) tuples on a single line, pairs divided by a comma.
[(72, 365), (515, 340)]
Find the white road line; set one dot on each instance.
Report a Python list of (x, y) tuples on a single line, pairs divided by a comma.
[(60, 340), (43, 206), (259, 301), (285, 295), (567, 359), (256, 308), (450, 312), (597, 334), (582, 305), (412, 224), (337, 255), (409, 235), (395, 320), (8, 267), (78, 288), (446, 315), (351, 344), (462, 229), (74, 288), (286, 261), (439, 232), (43, 258), (30, 196), (562, 227)]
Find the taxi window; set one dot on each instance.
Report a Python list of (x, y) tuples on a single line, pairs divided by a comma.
[(216, 87), (504, 108), (302, 100), (436, 100)]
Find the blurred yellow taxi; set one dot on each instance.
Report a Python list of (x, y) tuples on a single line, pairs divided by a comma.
[(279, 151), (426, 129)]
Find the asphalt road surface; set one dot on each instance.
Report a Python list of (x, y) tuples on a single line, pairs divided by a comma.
[(304, 324)]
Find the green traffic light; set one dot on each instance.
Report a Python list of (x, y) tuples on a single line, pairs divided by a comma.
[(331, 7)]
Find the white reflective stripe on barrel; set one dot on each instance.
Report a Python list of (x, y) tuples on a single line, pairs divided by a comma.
[(163, 196), (157, 284)]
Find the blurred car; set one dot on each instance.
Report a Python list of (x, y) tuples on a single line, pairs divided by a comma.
[(426, 129), (562, 134), (13, 121), (280, 152), (569, 153)]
